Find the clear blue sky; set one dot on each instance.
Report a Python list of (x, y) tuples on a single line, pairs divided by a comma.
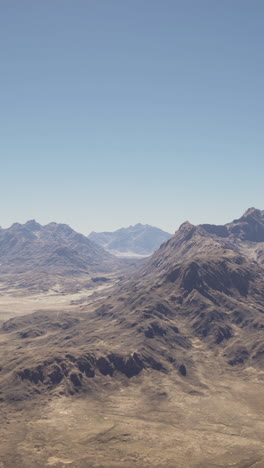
[(114, 112)]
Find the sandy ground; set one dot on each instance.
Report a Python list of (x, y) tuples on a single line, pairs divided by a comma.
[(148, 423), (14, 303), (127, 254)]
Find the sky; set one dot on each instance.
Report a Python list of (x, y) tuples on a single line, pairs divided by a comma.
[(114, 112)]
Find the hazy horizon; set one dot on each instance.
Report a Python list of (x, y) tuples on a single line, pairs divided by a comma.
[(115, 113), (125, 226)]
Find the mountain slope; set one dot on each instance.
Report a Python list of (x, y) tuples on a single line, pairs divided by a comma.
[(139, 239), (33, 253)]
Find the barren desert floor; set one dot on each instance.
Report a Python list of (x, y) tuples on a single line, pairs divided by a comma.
[(14, 302), (149, 422)]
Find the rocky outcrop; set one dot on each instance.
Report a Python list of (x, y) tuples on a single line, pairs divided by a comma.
[(71, 369)]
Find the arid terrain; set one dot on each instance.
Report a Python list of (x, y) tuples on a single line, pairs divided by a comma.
[(149, 421), (159, 364)]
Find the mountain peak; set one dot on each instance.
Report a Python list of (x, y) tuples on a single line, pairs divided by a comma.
[(33, 225), (254, 212), (249, 227), (61, 227), (186, 227)]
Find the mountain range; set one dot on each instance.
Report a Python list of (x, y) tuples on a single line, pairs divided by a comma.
[(138, 240), (183, 331), (205, 283)]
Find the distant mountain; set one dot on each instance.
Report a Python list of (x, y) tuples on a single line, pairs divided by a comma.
[(140, 239), (55, 249)]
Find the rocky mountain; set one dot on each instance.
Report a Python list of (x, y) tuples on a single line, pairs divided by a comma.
[(176, 349), (198, 290), (246, 233), (140, 239), (250, 227), (34, 252)]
